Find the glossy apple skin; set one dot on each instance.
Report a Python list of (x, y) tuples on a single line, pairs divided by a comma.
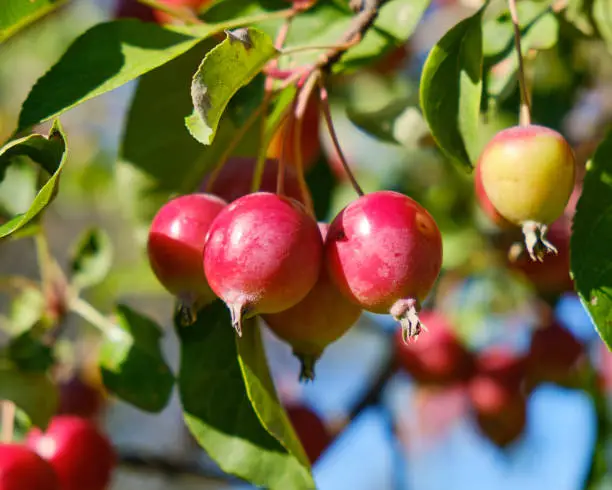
[(383, 247), (528, 173), (263, 253), (438, 358), (310, 429), (310, 141), (485, 203), (23, 469), (176, 244), (321, 318), (80, 454), (235, 179)]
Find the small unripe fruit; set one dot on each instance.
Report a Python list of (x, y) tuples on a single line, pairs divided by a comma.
[(80, 454), (262, 255), (310, 429), (236, 176), (322, 317), (176, 246), (384, 252), (528, 174), (437, 359), (23, 469)]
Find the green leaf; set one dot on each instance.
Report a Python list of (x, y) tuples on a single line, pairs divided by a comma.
[(218, 411), (260, 390), (578, 13), (399, 18), (590, 246), (29, 353), (602, 16), (17, 14), (92, 258), (102, 59), (50, 153), (33, 393), (451, 86), (132, 364), (227, 67)]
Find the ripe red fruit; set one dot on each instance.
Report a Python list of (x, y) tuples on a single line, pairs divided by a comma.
[(528, 174), (507, 425), (133, 9), (80, 454), (235, 178), (393, 60), (437, 359), (165, 18), (23, 469), (79, 398), (553, 355), (176, 246), (501, 364), (310, 144), (310, 429), (262, 255), (322, 317), (384, 252)]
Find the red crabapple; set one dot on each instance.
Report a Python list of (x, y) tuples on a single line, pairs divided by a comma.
[(262, 255), (439, 358), (322, 317), (176, 246), (79, 398), (528, 174), (507, 425), (235, 178), (384, 252), (165, 18), (310, 429), (133, 9), (23, 469), (80, 454)]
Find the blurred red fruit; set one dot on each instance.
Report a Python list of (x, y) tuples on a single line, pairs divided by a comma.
[(133, 9), (164, 18), (79, 398), (80, 454), (23, 469), (437, 357), (485, 203), (310, 429), (235, 178), (393, 60), (505, 426), (553, 355)]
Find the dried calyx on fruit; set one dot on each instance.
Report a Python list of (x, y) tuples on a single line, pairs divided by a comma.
[(262, 255), (528, 175), (384, 253), (176, 249), (321, 318)]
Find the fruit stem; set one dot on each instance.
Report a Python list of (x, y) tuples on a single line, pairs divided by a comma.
[(405, 311), (525, 110), (307, 371), (187, 310), (332, 132), (90, 314), (535, 241), (301, 103), (8, 421), (234, 143)]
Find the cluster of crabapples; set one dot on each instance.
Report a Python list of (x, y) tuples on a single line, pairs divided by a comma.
[(72, 454), (264, 254), (496, 380)]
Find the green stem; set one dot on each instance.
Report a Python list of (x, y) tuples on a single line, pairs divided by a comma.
[(90, 314)]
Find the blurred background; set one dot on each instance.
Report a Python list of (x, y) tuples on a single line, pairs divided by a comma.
[(511, 387)]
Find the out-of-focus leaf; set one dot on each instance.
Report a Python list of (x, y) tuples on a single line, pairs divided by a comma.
[(33, 393), (591, 263), (602, 16), (50, 153), (30, 354), (132, 364), (230, 65), (17, 14), (451, 86), (218, 411), (92, 258)]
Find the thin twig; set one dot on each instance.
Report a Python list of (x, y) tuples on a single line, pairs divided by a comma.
[(314, 47), (8, 421), (334, 137), (90, 314), (525, 111)]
